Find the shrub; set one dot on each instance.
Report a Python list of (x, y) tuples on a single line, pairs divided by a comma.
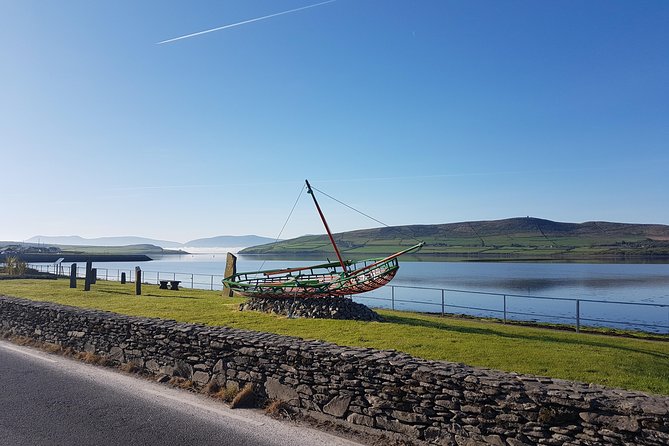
[(211, 388), (181, 383), (92, 358), (277, 408), (245, 397), (228, 393), (14, 266), (130, 367)]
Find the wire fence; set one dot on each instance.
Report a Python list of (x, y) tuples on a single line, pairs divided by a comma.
[(642, 316), (188, 280)]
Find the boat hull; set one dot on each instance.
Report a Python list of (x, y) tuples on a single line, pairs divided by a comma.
[(317, 285)]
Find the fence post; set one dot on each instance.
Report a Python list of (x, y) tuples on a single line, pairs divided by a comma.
[(578, 316), (192, 282), (392, 297), (87, 283), (73, 275), (505, 308), (442, 303), (138, 281), (212, 283)]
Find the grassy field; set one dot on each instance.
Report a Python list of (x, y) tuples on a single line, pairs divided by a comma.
[(523, 249), (612, 361), (524, 238)]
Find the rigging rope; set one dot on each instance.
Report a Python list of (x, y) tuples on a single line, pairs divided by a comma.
[(362, 213), (287, 219)]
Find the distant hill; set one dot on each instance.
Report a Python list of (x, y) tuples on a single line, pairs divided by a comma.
[(226, 241), (229, 241), (75, 240), (515, 238), (34, 252)]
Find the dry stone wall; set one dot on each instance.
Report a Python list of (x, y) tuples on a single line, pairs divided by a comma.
[(426, 401)]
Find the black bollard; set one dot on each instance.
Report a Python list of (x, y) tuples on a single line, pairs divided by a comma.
[(73, 275), (138, 281), (94, 275), (87, 283), (122, 278)]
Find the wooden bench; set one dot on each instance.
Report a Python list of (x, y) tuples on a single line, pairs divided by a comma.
[(174, 284)]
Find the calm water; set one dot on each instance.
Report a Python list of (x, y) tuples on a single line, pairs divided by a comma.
[(639, 283)]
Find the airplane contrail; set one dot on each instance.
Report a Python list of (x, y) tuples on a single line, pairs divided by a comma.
[(245, 22)]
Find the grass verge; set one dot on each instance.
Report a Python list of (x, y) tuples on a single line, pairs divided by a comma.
[(607, 360)]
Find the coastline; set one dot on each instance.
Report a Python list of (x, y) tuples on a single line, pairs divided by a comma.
[(460, 257), (79, 257)]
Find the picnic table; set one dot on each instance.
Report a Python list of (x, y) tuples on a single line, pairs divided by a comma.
[(173, 284)]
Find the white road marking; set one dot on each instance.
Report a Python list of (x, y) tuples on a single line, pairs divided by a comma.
[(40, 356), (197, 405)]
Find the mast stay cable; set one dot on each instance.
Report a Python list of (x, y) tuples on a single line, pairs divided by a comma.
[(366, 215), (287, 219)]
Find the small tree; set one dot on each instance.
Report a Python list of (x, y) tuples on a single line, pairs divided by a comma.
[(14, 266)]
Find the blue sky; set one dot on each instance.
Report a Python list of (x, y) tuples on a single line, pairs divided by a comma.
[(412, 111)]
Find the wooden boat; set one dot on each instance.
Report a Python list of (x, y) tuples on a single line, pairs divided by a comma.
[(340, 278)]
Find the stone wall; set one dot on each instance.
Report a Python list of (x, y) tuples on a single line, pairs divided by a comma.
[(430, 401)]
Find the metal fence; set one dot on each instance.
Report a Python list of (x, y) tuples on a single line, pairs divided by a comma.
[(650, 317), (188, 280), (519, 307)]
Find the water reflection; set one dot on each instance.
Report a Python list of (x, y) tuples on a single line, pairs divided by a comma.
[(538, 285), (634, 282)]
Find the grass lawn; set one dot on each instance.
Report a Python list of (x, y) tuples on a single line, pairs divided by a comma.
[(608, 360)]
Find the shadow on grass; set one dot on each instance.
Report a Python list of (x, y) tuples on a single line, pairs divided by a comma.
[(160, 296), (445, 326), (415, 322), (178, 296), (122, 293)]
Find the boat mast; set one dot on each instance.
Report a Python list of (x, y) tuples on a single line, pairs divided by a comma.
[(327, 228)]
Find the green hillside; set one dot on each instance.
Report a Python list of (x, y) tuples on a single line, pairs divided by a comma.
[(514, 238)]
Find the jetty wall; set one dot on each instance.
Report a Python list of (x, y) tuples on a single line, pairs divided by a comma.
[(409, 398)]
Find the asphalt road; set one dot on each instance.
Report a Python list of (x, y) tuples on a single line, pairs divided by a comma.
[(50, 400)]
